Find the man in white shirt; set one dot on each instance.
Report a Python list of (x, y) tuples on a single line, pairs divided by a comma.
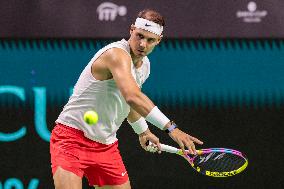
[(111, 85)]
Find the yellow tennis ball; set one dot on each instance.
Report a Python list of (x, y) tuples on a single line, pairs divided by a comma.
[(91, 117)]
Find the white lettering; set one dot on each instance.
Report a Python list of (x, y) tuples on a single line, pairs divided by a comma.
[(108, 11)]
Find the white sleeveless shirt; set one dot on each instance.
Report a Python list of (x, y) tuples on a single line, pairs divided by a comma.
[(102, 96)]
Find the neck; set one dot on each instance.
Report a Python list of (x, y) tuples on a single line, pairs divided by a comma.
[(136, 60)]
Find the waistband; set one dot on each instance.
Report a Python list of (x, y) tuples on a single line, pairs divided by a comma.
[(80, 134)]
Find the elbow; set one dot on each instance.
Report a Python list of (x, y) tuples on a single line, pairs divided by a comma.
[(132, 99)]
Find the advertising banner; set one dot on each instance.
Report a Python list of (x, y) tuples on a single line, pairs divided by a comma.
[(112, 19)]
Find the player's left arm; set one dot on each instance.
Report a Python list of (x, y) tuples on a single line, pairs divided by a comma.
[(140, 127)]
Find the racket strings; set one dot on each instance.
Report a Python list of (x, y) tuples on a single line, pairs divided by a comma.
[(218, 162)]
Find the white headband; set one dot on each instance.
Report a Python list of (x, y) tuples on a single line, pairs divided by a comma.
[(149, 26)]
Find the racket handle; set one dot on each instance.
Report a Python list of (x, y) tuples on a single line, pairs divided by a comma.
[(169, 149)]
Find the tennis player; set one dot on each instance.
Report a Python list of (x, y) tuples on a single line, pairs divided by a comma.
[(111, 84)]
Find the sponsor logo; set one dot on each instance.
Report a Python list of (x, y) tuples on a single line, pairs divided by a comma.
[(147, 25), (221, 174), (108, 11), (19, 184), (252, 15), (122, 174), (212, 155), (220, 156), (204, 159), (39, 113)]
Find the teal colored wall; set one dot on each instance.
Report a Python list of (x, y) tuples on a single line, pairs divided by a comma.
[(200, 72)]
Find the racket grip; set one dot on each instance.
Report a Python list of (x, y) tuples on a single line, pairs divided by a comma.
[(169, 149)]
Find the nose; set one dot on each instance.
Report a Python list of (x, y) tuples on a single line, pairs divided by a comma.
[(143, 43)]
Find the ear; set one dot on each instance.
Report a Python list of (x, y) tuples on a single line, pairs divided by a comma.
[(132, 28), (159, 40)]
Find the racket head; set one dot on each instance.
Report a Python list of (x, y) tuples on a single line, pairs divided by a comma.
[(217, 162)]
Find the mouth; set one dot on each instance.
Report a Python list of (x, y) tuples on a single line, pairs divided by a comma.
[(140, 51)]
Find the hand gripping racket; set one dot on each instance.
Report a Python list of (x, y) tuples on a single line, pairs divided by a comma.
[(214, 162)]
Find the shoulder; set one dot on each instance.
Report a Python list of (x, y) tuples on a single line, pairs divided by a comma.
[(146, 60), (146, 63), (117, 57), (117, 54)]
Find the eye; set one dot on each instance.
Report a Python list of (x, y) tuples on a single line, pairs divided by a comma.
[(140, 36)]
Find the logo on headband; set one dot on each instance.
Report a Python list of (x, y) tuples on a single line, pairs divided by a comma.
[(148, 25)]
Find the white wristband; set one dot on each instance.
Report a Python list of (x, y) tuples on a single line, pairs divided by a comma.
[(139, 126), (157, 118)]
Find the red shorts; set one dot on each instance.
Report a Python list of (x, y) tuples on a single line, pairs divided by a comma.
[(100, 163)]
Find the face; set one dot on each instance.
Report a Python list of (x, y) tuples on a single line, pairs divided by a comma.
[(142, 42)]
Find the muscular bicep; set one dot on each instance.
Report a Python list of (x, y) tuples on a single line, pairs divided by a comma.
[(119, 64)]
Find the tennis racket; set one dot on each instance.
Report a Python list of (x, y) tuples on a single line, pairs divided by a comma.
[(214, 162)]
